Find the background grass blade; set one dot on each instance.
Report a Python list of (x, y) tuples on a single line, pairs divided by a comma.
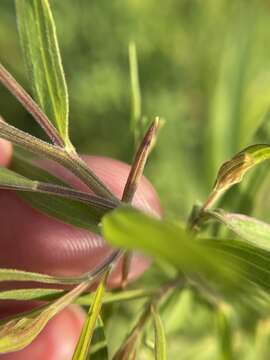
[(136, 112), (160, 339), (41, 52), (224, 333), (18, 333), (82, 351)]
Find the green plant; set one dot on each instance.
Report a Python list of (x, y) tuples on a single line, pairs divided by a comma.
[(227, 272)]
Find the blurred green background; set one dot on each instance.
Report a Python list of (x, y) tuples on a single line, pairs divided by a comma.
[(204, 67)]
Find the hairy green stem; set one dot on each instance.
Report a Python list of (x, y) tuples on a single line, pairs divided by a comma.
[(71, 161)]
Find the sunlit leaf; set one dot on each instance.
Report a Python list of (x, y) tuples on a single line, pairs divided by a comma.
[(160, 338), (82, 351), (41, 52), (250, 229), (232, 171), (18, 333)]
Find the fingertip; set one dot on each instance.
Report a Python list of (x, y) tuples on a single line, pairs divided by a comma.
[(5, 152)]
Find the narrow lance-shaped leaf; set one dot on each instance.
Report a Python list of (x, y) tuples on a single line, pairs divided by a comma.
[(248, 228), (69, 204), (232, 171), (42, 56), (83, 346), (44, 294), (19, 275), (160, 338), (18, 333)]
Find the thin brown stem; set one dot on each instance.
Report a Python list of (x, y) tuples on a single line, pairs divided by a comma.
[(140, 161), (133, 181), (129, 344), (30, 105)]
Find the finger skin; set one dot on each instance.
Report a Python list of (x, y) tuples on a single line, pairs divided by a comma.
[(5, 152), (35, 242), (58, 339)]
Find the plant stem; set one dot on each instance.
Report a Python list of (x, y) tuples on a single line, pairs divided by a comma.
[(69, 160), (139, 162), (30, 105), (133, 181), (129, 344)]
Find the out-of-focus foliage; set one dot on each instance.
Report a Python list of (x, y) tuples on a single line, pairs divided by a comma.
[(204, 67)]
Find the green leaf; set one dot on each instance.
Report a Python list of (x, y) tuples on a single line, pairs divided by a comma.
[(32, 294), (85, 299), (232, 171), (164, 240), (19, 275), (160, 338), (254, 231), (18, 333), (11, 180), (71, 211), (227, 266), (41, 52), (82, 351)]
